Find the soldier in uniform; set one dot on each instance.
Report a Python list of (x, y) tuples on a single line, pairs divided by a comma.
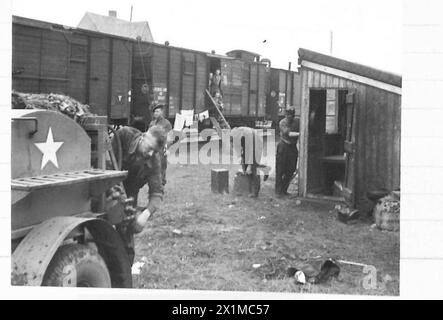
[(216, 83), (160, 120), (287, 153), (140, 157)]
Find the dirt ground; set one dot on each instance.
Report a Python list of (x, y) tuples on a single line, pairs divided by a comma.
[(205, 241)]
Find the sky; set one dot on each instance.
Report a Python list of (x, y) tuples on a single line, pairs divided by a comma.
[(367, 32)]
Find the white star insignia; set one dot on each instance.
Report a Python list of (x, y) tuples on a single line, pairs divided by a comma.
[(49, 149)]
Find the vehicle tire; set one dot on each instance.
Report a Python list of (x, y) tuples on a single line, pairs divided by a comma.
[(77, 265)]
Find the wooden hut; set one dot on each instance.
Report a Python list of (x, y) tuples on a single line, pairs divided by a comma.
[(350, 129)]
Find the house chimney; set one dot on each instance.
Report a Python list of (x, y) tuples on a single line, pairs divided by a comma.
[(113, 13)]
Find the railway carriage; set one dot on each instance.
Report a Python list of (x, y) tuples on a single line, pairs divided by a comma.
[(120, 77)]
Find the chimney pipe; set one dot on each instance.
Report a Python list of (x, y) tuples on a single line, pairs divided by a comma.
[(112, 13)]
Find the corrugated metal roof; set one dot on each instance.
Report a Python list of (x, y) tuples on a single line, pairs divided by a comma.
[(115, 26), (352, 67)]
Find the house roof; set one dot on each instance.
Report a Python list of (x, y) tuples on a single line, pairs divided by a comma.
[(352, 67), (115, 26)]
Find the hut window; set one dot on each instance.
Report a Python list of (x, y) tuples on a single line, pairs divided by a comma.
[(331, 111), (188, 67)]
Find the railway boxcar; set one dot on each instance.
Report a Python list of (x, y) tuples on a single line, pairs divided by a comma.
[(246, 81), (168, 75), (121, 77), (284, 90), (179, 77), (91, 67)]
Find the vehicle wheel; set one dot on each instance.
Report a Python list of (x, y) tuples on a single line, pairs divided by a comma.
[(76, 265)]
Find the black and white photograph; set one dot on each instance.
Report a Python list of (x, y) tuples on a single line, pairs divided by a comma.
[(236, 146)]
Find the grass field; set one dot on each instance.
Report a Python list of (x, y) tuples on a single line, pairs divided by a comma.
[(205, 241)]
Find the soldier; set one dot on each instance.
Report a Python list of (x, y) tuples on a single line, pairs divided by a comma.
[(216, 83), (160, 120), (287, 153), (140, 157)]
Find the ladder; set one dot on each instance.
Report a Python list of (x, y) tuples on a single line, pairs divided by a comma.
[(218, 121)]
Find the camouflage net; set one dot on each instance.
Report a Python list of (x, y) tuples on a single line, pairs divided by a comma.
[(55, 102)]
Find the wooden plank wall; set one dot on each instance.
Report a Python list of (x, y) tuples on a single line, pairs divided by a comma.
[(26, 47), (76, 64), (296, 92), (187, 78), (121, 78), (292, 90), (141, 74), (78, 68), (202, 81), (54, 63), (253, 85), (159, 69), (235, 88), (245, 90), (188, 81), (99, 74), (263, 73), (227, 85), (40, 60), (271, 109), (174, 82), (377, 136)]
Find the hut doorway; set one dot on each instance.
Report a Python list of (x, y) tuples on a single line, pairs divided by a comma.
[(327, 134)]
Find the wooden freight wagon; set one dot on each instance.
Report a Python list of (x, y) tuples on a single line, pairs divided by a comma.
[(244, 87), (350, 129), (179, 78), (91, 67), (284, 90), (167, 75)]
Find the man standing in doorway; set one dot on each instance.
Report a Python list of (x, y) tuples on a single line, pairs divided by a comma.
[(161, 121), (216, 83), (287, 153)]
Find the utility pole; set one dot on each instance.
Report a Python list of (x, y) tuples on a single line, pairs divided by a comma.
[(130, 18), (331, 36)]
